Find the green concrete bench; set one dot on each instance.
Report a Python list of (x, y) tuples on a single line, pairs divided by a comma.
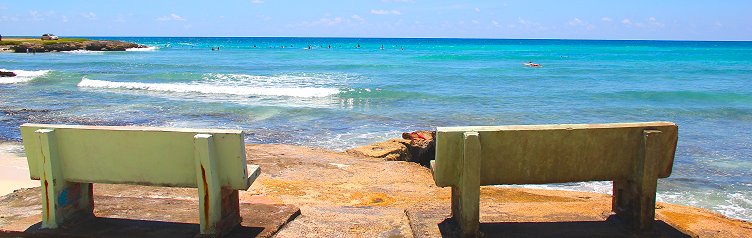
[(633, 155), (68, 159)]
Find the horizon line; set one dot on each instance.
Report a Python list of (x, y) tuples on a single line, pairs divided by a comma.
[(356, 37)]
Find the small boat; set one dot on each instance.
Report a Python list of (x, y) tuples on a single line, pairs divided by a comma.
[(531, 64)]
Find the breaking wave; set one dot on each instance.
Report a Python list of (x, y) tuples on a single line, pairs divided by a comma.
[(150, 48), (205, 88), (22, 76), (83, 52)]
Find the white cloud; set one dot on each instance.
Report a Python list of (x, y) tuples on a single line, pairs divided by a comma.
[(357, 18), (65, 18), (530, 25), (475, 21), (257, 1), (171, 17), (386, 12), (89, 15), (607, 19), (324, 22), (495, 23), (35, 16), (11, 19), (575, 22), (626, 21), (653, 22), (718, 24), (477, 9)]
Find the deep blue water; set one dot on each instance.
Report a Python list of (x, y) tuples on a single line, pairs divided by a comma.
[(344, 96)]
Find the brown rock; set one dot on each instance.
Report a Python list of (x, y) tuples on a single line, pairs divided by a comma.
[(94, 45), (7, 74), (417, 147), (421, 147), (391, 150)]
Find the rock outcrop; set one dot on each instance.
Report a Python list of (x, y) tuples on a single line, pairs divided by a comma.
[(93, 45), (417, 146)]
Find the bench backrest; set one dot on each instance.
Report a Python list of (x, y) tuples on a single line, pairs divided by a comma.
[(136, 155), (538, 154)]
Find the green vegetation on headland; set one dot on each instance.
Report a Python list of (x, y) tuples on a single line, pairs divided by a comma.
[(26, 45)]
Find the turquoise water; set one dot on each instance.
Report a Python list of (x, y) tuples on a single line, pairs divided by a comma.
[(344, 96)]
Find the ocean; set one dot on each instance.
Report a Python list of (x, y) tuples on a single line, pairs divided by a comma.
[(338, 93)]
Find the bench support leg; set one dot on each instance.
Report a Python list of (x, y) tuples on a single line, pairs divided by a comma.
[(219, 211), (466, 195), (61, 201), (634, 198)]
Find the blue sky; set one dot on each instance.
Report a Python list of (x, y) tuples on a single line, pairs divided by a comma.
[(574, 19)]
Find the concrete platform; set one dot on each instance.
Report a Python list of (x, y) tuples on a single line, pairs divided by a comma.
[(340, 195), (154, 217), (437, 222)]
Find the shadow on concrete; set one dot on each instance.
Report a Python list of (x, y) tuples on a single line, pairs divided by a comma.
[(608, 228), (117, 227)]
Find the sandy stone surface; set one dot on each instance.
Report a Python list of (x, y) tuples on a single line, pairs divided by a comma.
[(341, 195), (14, 172)]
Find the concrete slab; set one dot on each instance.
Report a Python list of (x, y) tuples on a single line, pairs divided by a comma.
[(437, 223), (147, 217), (345, 221)]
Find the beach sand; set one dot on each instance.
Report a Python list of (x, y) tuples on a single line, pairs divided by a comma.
[(14, 172)]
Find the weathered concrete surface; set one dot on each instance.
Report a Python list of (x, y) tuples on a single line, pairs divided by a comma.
[(137, 211), (345, 196), (341, 195)]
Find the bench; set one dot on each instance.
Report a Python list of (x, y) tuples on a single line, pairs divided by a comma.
[(632, 155), (68, 159)]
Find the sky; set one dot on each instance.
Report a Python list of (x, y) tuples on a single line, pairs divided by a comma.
[(540, 19)]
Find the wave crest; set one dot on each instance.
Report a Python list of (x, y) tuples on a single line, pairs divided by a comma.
[(22, 76), (211, 89), (149, 48)]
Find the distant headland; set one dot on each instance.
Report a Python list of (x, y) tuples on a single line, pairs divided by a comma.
[(36, 45)]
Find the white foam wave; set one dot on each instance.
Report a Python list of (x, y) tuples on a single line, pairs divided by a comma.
[(305, 80), (84, 52), (150, 48), (210, 89), (22, 76), (604, 187)]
